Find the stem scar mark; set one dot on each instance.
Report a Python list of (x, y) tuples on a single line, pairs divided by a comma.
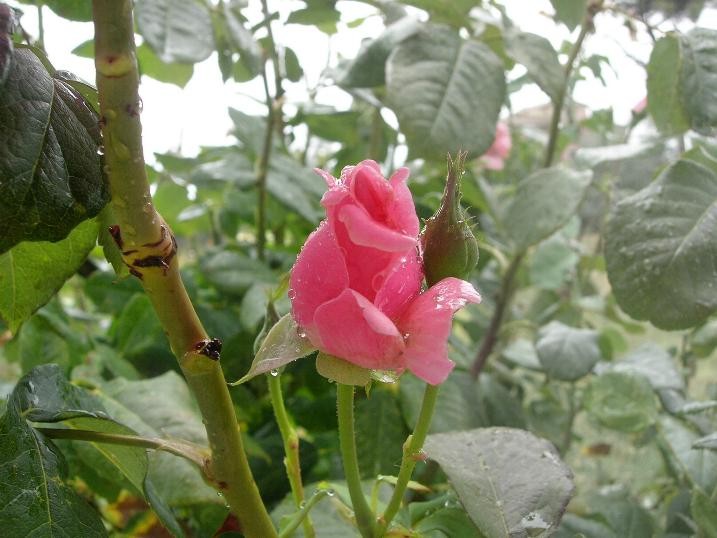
[(211, 348), (167, 251)]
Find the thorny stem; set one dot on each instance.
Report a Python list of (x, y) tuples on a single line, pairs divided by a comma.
[(347, 439), (411, 455), (149, 249), (194, 453), (503, 299), (291, 449)]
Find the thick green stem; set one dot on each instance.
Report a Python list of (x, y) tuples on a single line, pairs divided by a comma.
[(291, 449), (412, 453), (345, 405), (149, 249)]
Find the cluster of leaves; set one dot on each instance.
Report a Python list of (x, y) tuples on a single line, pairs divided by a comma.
[(585, 267)]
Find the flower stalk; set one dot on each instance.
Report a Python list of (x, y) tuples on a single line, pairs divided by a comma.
[(365, 520), (149, 250)]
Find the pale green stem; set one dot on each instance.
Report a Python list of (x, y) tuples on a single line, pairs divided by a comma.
[(303, 514), (149, 249), (291, 449), (365, 519), (412, 453)]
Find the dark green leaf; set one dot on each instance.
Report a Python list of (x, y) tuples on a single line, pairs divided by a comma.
[(320, 13), (664, 86), (699, 79), (50, 175), (177, 30), (446, 91), (136, 329), (544, 201), (570, 12), (539, 58), (510, 482), (31, 273), (567, 353), (380, 433), (449, 521), (242, 39), (369, 67), (284, 343), (659, 248), (152, 66), (621, 401)]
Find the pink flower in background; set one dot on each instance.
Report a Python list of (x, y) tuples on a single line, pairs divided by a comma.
[(640, 106), (494, 158), (356, 284)]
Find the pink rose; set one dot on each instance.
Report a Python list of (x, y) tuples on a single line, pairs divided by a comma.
[(356, 284), (494, 158)]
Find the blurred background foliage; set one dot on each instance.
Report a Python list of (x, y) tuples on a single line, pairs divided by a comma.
[(598, 264)]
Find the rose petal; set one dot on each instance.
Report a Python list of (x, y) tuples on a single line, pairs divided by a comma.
[(318, 275), (426, 325), (403, 210), (352, 328), (365, 231), (372, 192), (400, 286)]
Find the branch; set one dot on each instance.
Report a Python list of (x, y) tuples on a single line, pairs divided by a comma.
[(149, 249)]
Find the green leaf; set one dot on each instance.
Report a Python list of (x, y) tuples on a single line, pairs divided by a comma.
[(621, 401), (704, 512), (284, 343), (177, 30), (655, 364), (136, 328), (543, 202), (320, 13), (233, 272), (660, 251), (699, 79), (708, 441), (31, 273), (341, 371), (450, 522), (567, 353), (510, 482), (152, 66), (570, 12), (539, 58), (46, 396), (75, 10), (380, 433), (454, 12), (368, 68), (242, 39), (6, 44), (446, 91), (553, 264), (50, 175), (34, 499), (664, 86), (699, 466)]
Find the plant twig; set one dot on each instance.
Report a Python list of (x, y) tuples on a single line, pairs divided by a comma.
[(303, 514), (291, 449), (189, 451), (365, 520), (411, 455), (149, 249)]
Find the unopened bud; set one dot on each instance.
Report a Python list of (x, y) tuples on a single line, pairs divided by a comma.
[(449, 247)]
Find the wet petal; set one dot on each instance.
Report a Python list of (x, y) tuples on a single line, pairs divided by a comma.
[(365, 231), (352, 328), (400, 285), (426, 325)]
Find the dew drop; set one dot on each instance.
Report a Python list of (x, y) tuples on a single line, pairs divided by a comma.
[(291, 293), (100, 150), (330, 492), (274, 373), (302, 504)]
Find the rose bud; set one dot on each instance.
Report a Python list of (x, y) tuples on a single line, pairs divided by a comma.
[(449, 247)]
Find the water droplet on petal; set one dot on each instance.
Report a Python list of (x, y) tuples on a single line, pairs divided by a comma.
[(291, 293)]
